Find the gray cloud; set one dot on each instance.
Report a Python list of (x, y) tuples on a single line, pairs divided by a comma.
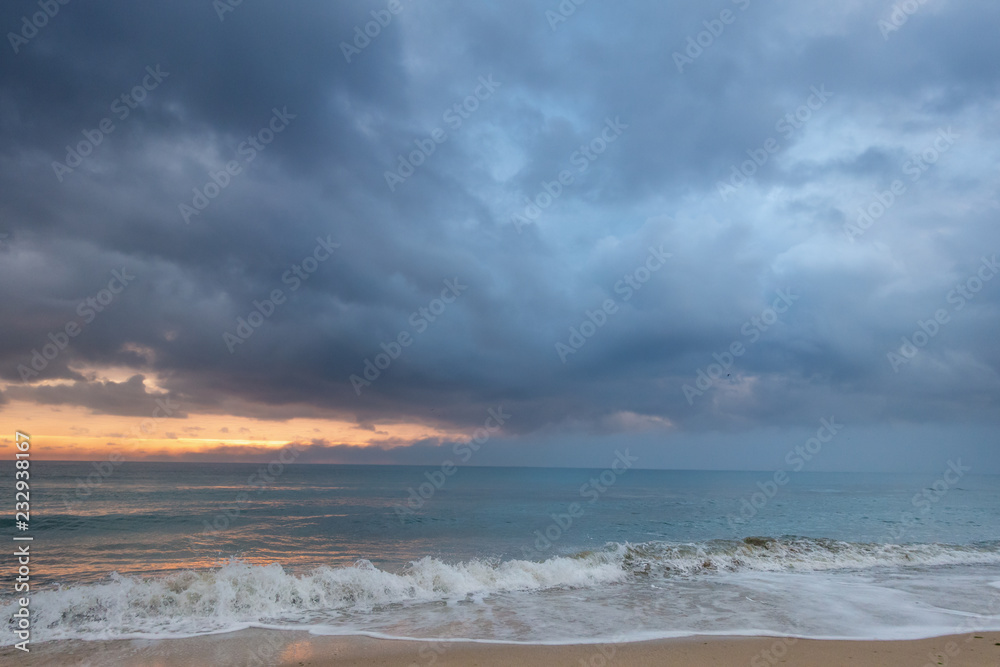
[(655, 185), (104, 397)]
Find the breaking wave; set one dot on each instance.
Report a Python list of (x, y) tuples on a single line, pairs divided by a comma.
[(237, 594), (766, 554)]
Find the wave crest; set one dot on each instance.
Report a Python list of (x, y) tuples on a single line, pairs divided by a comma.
[(769, 554), (239, 594)]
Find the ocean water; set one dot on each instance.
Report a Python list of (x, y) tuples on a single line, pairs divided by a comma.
[(507, 554)]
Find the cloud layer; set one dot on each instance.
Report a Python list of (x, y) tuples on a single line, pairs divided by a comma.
[(538, 164)]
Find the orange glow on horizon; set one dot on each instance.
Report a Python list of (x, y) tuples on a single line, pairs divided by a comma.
[(63, 432)]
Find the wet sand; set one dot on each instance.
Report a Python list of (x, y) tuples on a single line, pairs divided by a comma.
[(299, 649)]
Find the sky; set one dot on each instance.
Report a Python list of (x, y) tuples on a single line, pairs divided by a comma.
[(713, 234)]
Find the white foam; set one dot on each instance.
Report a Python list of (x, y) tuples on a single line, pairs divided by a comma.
[(590, 597), (238, 594), (797, 554)]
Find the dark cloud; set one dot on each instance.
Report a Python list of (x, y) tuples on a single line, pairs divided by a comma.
[(657, 184), (106, 397)]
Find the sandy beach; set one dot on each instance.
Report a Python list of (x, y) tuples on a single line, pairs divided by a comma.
[(299, 649)]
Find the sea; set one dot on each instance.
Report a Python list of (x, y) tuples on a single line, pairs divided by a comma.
[(529, 555)]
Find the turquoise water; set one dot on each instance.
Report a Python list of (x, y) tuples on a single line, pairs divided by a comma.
[(514, 554)]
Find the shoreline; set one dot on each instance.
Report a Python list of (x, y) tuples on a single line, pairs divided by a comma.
[(296, 648)]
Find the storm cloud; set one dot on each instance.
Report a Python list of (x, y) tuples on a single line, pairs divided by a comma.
[(694, 228)]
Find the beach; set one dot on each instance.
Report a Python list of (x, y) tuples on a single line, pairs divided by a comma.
[(300, 649), (499, 558)]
